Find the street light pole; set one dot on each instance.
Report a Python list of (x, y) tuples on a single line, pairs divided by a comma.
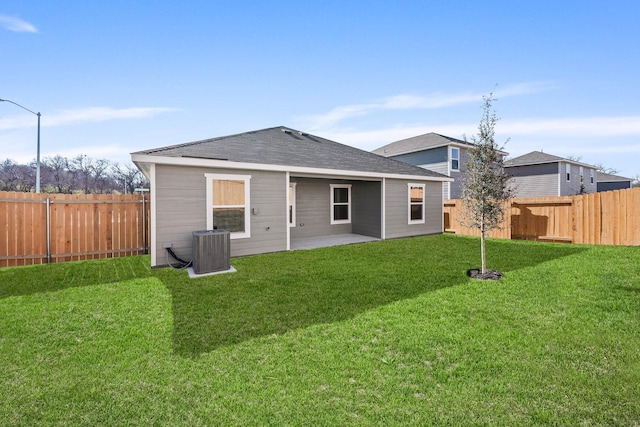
[(38, 151)]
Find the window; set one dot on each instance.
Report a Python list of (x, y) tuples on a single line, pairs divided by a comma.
[(591, 176), (416, 203), (568, 171), (292, 204), (340, 203), (581, 174), (455, 159), (228, 204)]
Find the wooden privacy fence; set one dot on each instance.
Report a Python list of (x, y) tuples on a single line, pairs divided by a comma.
[(606, 218), (44, 228)]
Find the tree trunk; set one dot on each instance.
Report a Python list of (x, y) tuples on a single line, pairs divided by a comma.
[(482, 251)]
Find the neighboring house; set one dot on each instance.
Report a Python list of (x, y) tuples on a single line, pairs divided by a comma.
[(434, 152), (276, 186), (608, 182), (539, 174)]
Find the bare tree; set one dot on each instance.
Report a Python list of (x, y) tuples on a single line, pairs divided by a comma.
[(8, 175), (58, 175), (128, 178), (486, 189), (604, 169), (100, 176), (63, 175), (16, 177), (81, 167)]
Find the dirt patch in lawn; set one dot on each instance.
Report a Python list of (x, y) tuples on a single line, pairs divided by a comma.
[(476, 273)]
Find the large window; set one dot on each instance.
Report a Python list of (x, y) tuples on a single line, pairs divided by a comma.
[(340, 203), (228, 204), (416, 203), (455, 159), (567, 169), (591, 176)]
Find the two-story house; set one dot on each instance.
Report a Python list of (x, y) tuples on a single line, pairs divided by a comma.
[(538, 174), (434, 152)]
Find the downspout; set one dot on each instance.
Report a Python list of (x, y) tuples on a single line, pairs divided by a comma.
[(144, 224), (287, 183), (383, 227), (152, 210)]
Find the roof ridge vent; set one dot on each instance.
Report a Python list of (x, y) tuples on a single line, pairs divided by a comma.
[(301, 133), (285, 130)]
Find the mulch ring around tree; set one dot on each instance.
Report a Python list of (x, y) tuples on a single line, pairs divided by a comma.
[(476, 273)]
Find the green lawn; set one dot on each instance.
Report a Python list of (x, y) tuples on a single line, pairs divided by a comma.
[(385, 333)]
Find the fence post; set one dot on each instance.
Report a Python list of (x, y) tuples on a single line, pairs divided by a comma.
[(48, 230)]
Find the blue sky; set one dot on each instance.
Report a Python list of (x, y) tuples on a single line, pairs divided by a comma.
[(113, 77)]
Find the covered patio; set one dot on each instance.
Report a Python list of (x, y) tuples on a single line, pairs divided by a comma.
[(298, 243)]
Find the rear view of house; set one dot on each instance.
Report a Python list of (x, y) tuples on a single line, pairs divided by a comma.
[(275, 187)]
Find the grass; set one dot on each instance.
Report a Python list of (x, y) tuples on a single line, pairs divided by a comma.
[(385, 333)]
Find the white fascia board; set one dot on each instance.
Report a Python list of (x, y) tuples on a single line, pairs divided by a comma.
[(145, 168), (414, 150), (211, 163)]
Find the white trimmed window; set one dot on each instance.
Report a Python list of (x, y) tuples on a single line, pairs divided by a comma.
[(228, 204), (567, 168), (340, 203), (455, 159), (292, 204), (591, 175), (581, 174), (416, 203)]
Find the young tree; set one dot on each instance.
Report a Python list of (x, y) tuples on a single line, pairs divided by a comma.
[(486, 189)]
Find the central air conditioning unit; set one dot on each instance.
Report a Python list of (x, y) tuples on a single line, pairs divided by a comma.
[(211, 251)]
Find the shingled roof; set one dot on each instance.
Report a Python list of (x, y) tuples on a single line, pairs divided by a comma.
[(538, 157), (288, 147), (607, 177), (419, 143)]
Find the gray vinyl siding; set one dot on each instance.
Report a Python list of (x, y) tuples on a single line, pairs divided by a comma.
[(366, 212), (442, 168), (458, 176), (425, 157), (397, 209), (313, 208), (613, 185), (572, 187), (534, 180), (437, 160), (181, 209)]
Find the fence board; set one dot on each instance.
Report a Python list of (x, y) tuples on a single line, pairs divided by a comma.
[(611, 218), (81, 227)]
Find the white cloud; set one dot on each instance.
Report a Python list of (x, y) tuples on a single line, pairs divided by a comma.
[(92, 114), (564, 133), (418, 102), (17, 25), (584, 127)]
